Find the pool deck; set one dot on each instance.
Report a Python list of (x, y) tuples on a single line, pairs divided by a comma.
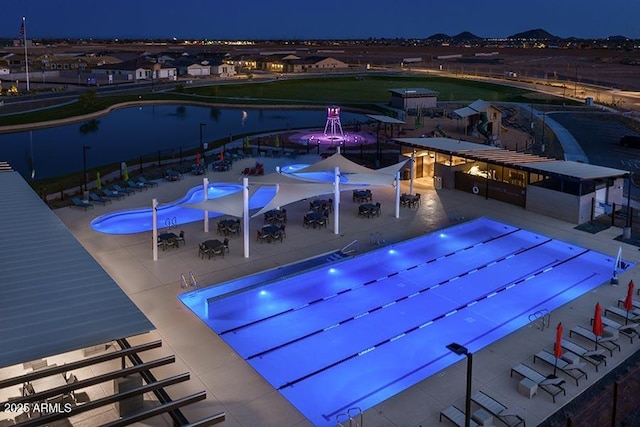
[(234, 387)]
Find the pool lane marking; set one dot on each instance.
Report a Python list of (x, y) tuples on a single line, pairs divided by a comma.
[(407, 331), (331, 416), (406, 297), (370, 282)]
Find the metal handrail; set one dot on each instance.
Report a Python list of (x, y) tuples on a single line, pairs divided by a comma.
[(346, 249)]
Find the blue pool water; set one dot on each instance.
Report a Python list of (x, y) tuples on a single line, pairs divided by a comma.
[(172, 214), (360, 330)]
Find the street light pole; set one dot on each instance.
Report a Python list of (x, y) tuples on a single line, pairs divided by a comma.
[(84, 164), (201, 144), (462, 350)]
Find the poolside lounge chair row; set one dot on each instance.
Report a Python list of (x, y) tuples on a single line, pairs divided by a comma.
[(488, 408)]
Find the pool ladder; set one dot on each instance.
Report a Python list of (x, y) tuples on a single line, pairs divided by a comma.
[(543, 317), (171, 223), (351, 418), (351, 247), (376, 239), (190, 282)]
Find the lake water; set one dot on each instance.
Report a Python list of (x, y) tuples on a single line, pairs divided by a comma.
[(127, 134)]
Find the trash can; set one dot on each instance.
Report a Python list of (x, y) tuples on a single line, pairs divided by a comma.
[(437, 182)]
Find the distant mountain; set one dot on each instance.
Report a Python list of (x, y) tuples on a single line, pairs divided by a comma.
[(439, 36), (537, 34), (617, 38), (465, 35)]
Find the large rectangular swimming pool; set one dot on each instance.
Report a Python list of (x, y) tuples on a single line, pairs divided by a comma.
[(357, 331)]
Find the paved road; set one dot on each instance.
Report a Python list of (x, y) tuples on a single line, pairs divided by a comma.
[(599, 134)]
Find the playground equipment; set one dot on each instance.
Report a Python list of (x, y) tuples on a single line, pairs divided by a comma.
[(440, 131), (482, 125)]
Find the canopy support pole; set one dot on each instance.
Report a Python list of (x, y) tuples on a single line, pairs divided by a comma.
[(398, 194), (413, 171), (245, 214), (205, 185), (336, 204), (154, 222)]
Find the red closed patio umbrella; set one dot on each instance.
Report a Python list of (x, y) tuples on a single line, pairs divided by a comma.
[(597, 323), (557, 347), (628, 301), (198, 155)]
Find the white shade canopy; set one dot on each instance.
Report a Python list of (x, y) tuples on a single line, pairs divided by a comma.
[(231, 204)]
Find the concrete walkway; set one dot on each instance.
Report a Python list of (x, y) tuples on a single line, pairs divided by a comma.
[(248, 400)]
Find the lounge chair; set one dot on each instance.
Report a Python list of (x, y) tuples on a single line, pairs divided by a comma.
[(509, 416), (146, 182), (607, 341), (112, 194), (136, 185), (629, 330), (553, 386), (594, 357), (456, 416), (122, 190), (95, 198), (634, 302), (80, 203), (574, 370), (633, 315)]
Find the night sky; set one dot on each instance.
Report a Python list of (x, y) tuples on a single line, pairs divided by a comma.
[(305, 19)]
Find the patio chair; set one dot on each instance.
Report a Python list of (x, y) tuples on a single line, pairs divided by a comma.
[(574, 370), (202, 251), (120, 189), (456, 416), (217, 251), (180, 239), (376, 211), (81, 203), (95, 198), (594, 357), (225, 244), (509, 416), (109, 193), (146, 182), (552, 386)]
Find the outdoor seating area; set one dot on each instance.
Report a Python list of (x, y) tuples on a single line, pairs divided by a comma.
[(410, 200), (369, 210), (213, 248), (316, 219), (276, 216), (170, 240), (228, 227), (222, 165), (172, 175), (271, 233), (321, 205), (257, 170), (362, 196)]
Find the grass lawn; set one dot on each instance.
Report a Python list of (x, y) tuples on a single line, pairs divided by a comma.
[(355, 91), (361, 89)]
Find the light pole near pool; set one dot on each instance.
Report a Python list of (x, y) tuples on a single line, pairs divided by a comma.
[(461, 350), (84, 165), (201, 144)]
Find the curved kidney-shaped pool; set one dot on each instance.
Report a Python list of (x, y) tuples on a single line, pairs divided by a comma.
[(172, 214)]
